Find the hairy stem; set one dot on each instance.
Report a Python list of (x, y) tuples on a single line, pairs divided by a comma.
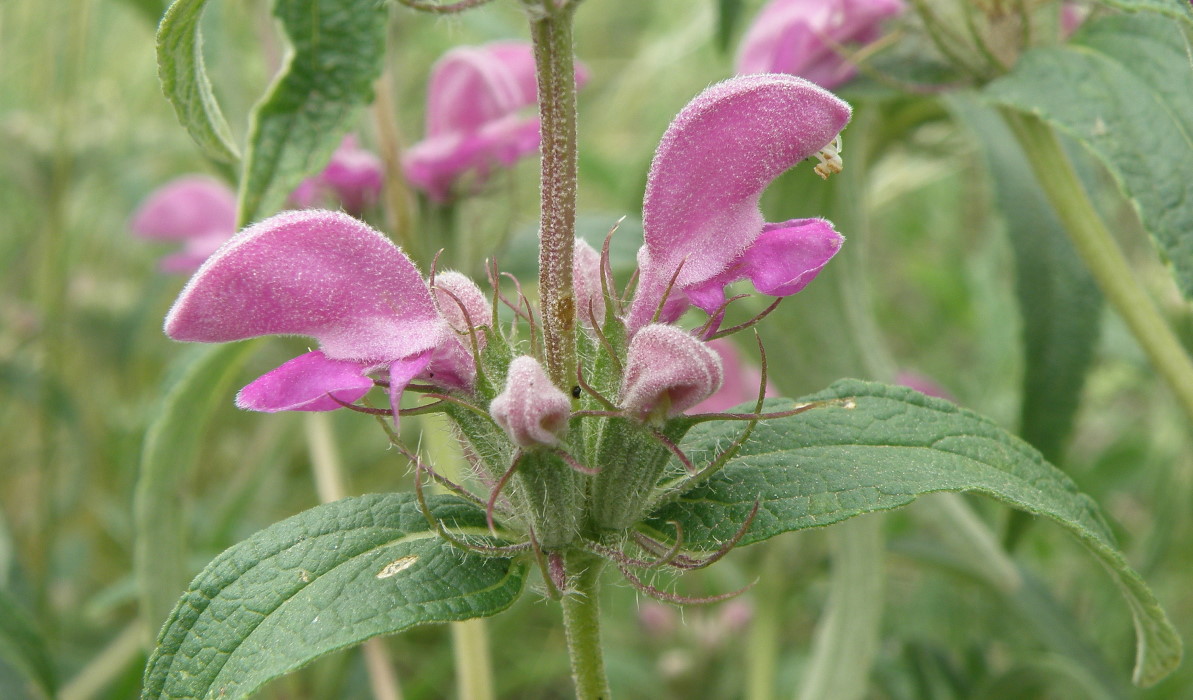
[(581, 619), (1102, 255), (551, 31)]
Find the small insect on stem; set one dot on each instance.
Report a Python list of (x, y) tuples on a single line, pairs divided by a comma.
[(830, 159)]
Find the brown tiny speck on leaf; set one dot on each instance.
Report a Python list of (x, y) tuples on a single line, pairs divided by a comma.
[(397, 566)]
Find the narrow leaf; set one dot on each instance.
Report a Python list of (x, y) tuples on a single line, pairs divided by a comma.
[(172, 443), (833, 463), (336, 53), (184, 79), (1059, 301), (23, 647), (1133, 109), (322, 580)]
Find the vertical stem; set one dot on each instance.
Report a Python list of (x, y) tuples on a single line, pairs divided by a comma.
[(581, 619), (329, 485), (1102, 256), (551, 31), (474, 670), (398, 201)]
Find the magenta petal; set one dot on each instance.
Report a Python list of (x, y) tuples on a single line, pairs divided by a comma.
[(717, 157), (781, 262), (314, 273), (478, 101), (188, 207), (352, 179), (473, 85), (306, 383), (787, 256), (810, 38), (401, 373)]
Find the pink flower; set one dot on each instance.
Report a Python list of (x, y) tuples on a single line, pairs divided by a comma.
[(531, 409), (475, 101), (806, 37), (703, 228), (740, 383), (667, 372), (328, 276), (352, 179), (196, 210)]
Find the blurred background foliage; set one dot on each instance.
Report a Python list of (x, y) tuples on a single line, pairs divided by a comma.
[(86, 134)]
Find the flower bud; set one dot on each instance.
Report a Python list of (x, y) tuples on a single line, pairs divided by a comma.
[(667, 372), (586, 280), (461, 302), (531, 409)]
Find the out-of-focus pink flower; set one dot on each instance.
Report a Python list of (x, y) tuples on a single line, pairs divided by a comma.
[(195, 210), (806, 37), (702, 225), (1072, 16), (352, 179), (531, 409), (923, 384), (475, 121), (328, 276), (740, 383)]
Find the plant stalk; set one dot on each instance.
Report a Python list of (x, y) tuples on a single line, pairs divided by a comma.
[(581, 619), (551, 32), (1102, 255)]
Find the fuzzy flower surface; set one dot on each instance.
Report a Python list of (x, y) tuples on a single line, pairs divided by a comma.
[(808, 38), (530, 409), (702, 224), (476, 101), (195, 210), (330, 277)]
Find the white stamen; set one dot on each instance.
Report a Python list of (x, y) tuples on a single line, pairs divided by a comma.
[(830, 159)]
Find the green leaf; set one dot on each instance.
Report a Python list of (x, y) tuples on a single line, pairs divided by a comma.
[(833, 463), (1059, 302), (23, 647), (151, 10), (336, 52), (1132, 108), (728, 15), (172, 442), (184, 79), (1177, 9), (322, 580)]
